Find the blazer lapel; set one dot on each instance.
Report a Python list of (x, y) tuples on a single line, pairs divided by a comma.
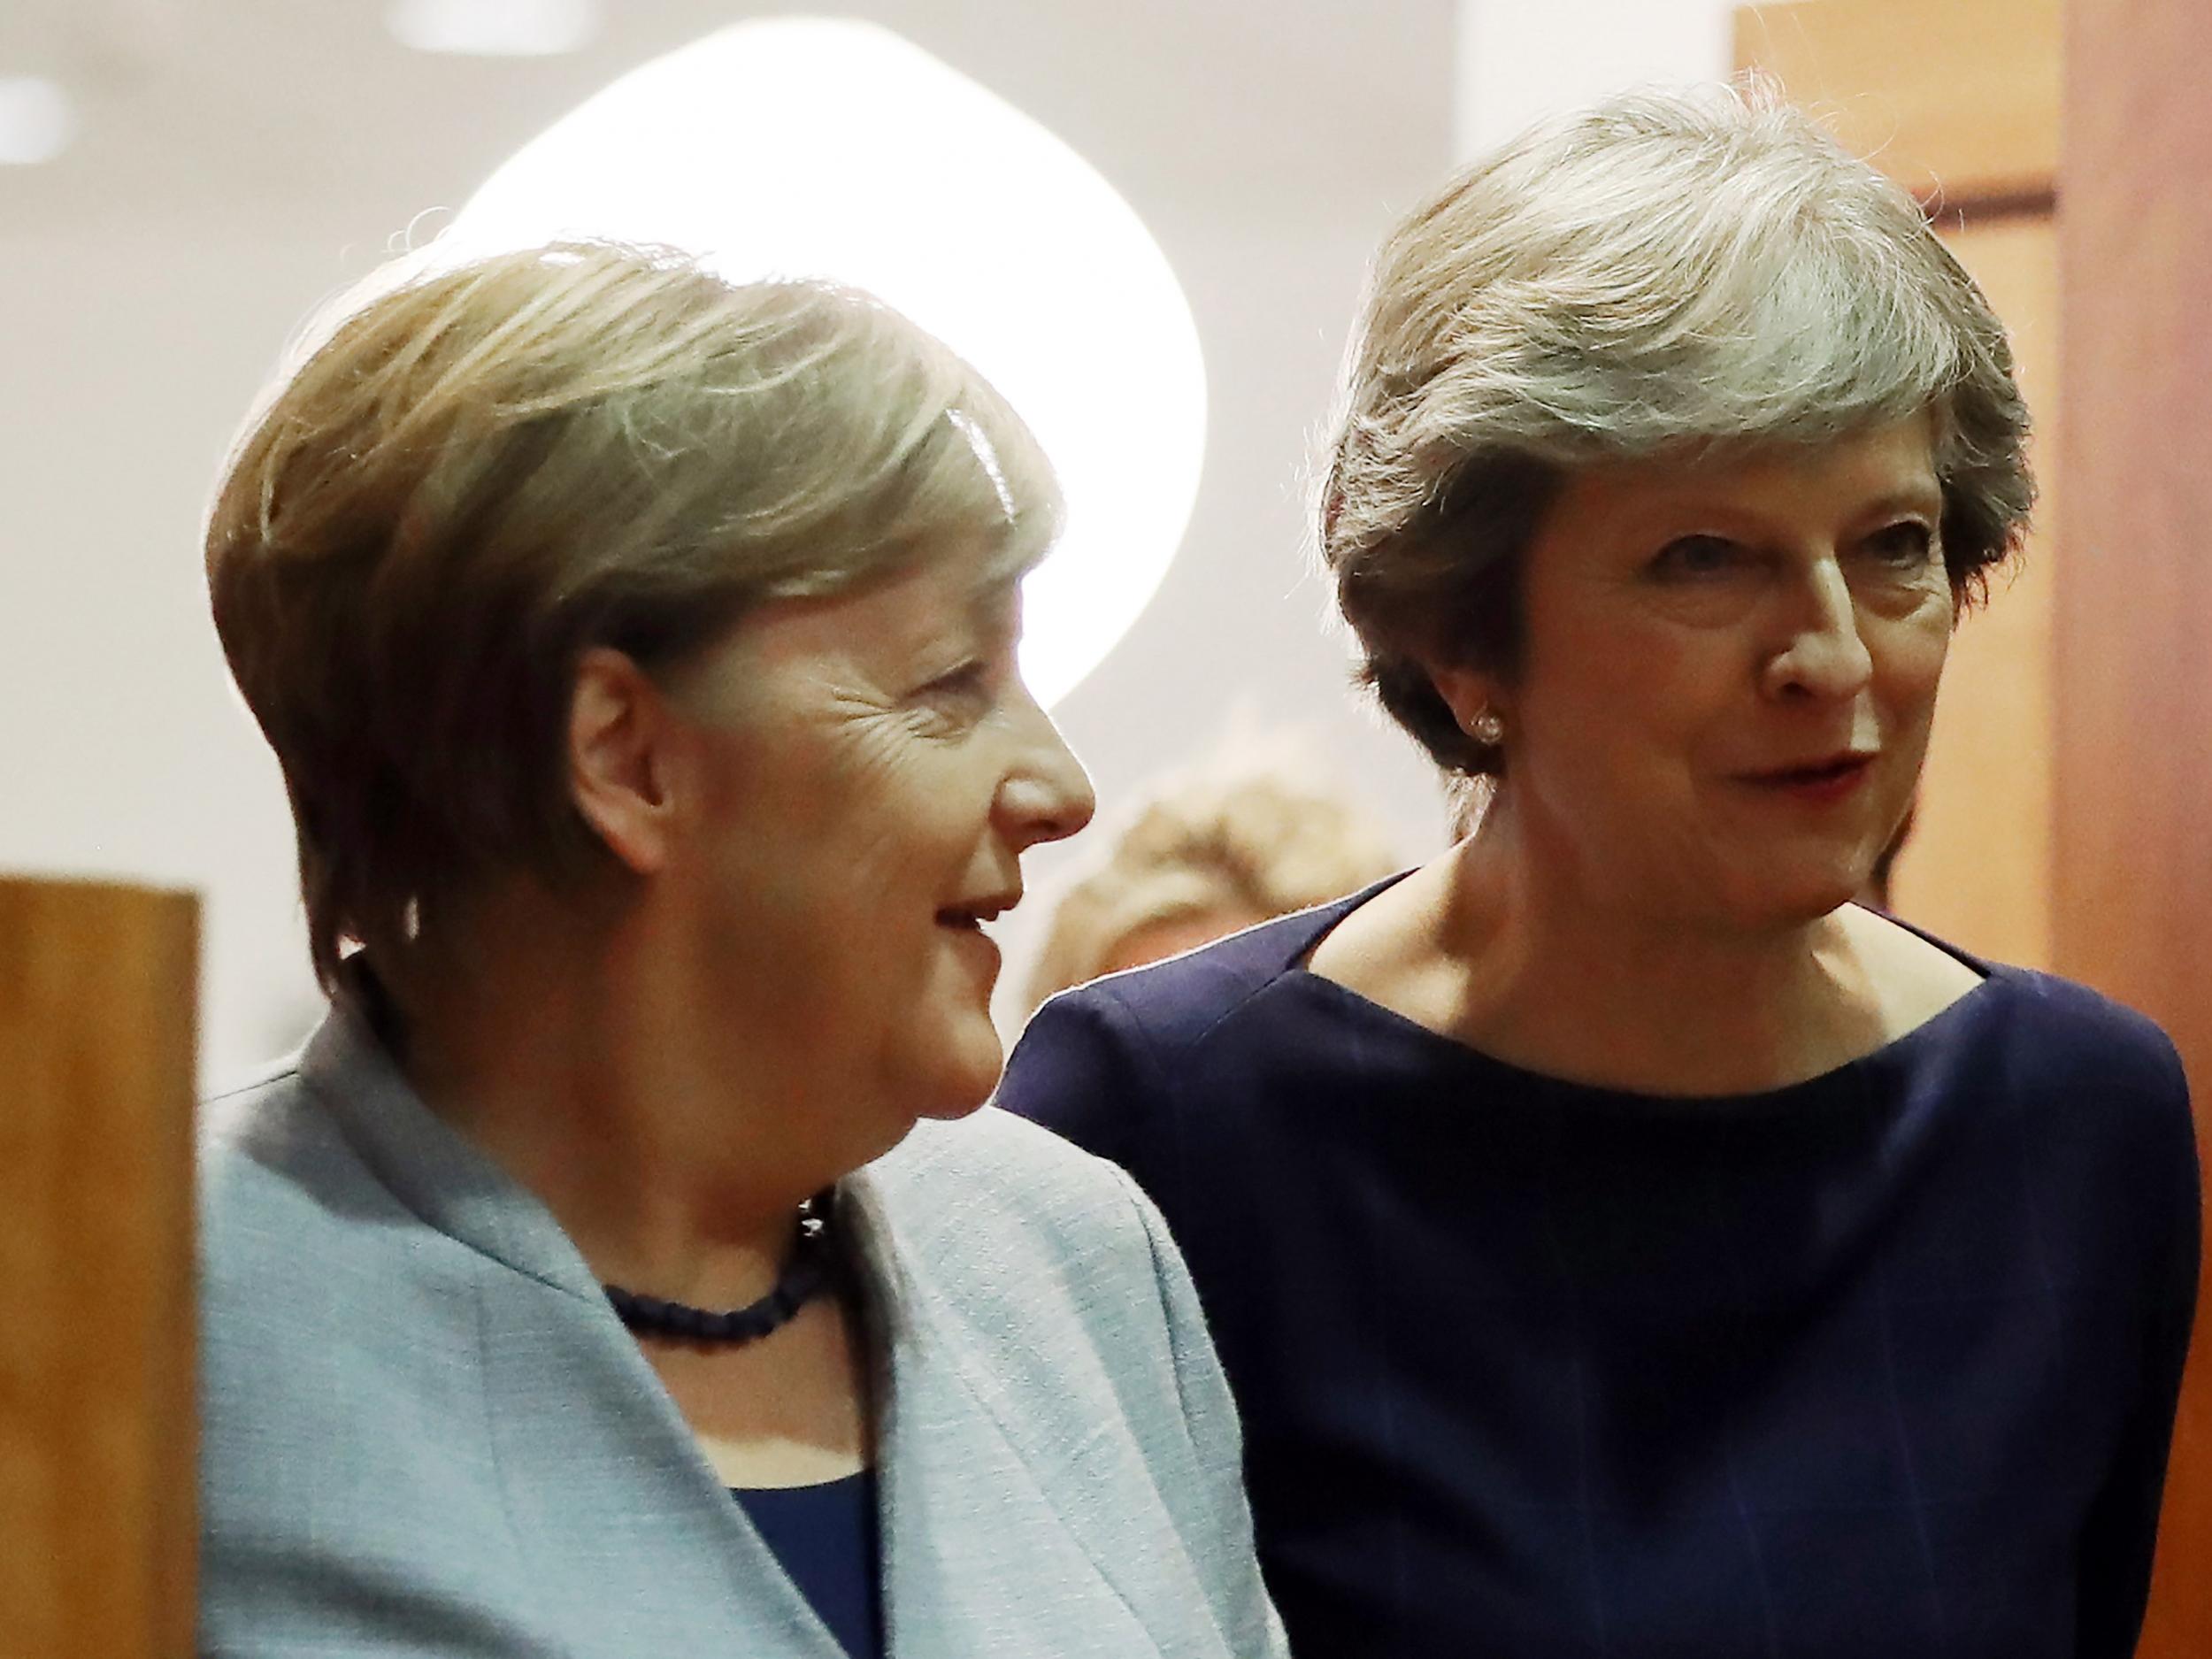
[(980, 1557), (624, 1525)]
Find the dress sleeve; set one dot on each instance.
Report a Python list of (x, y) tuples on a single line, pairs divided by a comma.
[(1214, 1516), (2121, 1532), (1080, 1070)]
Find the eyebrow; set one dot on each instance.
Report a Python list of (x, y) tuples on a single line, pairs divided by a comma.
[(1909, 499), (1690, 509)]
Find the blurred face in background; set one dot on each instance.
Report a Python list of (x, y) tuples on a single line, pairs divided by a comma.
[(1168, 936)]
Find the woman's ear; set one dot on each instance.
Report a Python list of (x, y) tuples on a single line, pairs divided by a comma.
[(1469, 693), (621, 758)]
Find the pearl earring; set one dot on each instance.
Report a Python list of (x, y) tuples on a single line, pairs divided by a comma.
[(1487, 727)]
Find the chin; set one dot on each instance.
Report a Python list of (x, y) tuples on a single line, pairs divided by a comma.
[(951, 1108), (1792, 899), (964, 1082)]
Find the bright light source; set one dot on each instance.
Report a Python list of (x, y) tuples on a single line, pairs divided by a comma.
[(37, 121), (804, 147), (494, 29)]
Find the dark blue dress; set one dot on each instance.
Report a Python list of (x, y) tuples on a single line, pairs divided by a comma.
[(1882, 1364), (825, 1536)]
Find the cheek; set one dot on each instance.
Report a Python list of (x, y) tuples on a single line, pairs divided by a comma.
[(1621, 701), (1908, 663)]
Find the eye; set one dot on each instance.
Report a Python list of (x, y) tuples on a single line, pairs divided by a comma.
[(961, 699), (968, 683), (1699, 559), (1906, 545)]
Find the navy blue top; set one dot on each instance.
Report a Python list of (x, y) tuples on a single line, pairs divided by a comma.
[(1879, 1365), (825, 1536)]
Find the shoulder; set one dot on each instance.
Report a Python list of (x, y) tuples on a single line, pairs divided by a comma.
[(307, 1262), (1058, 1273), (2040, 1045), (1013, 1231), (2062, 1033), (2106, 1084), (2085, 1100), (995, 1183), (326, 1311), (2036, 1033), (276, 1178), (1179, 1002), (1096, 1060)]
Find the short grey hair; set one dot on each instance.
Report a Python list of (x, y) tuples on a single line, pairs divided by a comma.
[(1663, 272), (476, 474)]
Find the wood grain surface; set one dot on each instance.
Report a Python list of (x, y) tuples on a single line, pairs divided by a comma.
[(2133, 839), (98, 1497), (1958, 99)]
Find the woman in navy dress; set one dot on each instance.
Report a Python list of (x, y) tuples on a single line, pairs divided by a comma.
[(1619, 1242)]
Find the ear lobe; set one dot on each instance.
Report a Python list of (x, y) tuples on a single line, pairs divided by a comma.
[(618, 759), (1467, 692)]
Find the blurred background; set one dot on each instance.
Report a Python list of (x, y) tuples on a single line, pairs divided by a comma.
[(186, 178)]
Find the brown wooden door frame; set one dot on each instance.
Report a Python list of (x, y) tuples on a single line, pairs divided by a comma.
[(99, 1397)]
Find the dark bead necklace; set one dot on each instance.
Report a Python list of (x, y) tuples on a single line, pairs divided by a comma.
[(806, 1271)]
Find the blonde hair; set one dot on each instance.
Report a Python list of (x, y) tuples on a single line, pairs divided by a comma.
[(1255, 845), (1662, 272), (486, 471)]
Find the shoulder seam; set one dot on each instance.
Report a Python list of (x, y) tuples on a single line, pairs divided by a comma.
[(1134, 1018)]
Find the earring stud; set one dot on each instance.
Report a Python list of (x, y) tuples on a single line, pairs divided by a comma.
[(1487, 728)]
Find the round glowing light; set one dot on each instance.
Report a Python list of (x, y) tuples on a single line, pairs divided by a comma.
[(804, 147)]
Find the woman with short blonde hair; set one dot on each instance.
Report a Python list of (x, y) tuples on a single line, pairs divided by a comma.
[(639, 651)]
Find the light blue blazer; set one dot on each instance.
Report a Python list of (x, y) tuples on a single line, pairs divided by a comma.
[(424, 1431)]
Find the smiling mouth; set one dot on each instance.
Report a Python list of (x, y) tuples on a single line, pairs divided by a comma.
[(971, 917), (1825, 771), (1823, 782)]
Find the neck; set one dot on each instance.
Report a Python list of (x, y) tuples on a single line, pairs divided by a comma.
[(1546, 974), (565, 1048)]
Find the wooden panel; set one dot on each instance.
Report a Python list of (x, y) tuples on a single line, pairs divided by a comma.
[(96, 1352), (1977, 870), (1962, 94), (2132, 649)]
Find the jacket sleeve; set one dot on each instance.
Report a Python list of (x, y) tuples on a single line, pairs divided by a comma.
[(2121, 1532), (1213, 1515)]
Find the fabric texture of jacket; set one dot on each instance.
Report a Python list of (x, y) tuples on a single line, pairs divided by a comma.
[(424, 1431)]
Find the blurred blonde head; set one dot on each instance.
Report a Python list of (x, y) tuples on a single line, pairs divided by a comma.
[(474, 475), (1210, 854)]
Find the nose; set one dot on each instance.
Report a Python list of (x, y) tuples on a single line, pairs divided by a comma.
[(1047, 795), (1824, 656)]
